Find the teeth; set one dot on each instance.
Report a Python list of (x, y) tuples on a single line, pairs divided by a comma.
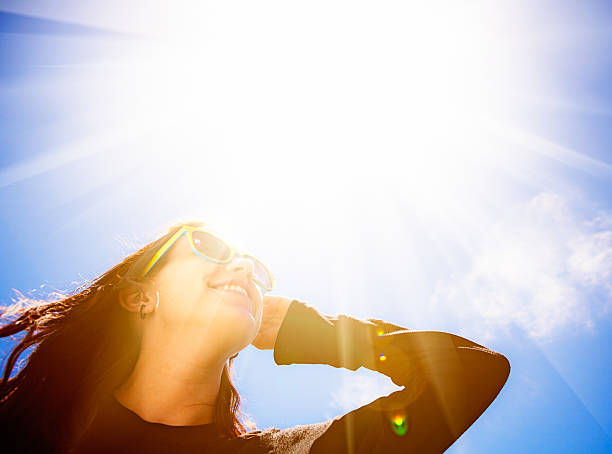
[(236, 288)]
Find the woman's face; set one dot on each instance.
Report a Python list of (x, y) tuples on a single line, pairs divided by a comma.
[(192, 301)]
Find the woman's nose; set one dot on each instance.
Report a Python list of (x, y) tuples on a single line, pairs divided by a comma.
[(242, 263)]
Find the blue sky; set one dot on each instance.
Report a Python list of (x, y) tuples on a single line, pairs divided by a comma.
[(442, 167)]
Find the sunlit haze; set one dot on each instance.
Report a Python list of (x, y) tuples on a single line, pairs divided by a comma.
[(440, 165)]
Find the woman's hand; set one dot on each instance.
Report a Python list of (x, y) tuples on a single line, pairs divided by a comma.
[(274, 310)]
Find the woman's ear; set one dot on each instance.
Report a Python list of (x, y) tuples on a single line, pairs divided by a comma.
[(134, 296)]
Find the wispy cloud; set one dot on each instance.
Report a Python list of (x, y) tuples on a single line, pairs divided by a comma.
[(543, 267), (359, 389)]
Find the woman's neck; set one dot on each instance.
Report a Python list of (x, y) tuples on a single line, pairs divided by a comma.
[(166, 387)]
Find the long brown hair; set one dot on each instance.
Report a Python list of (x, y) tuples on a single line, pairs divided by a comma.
[(83, 346)]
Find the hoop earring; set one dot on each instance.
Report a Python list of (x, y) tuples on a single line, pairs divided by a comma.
[(142, 314)]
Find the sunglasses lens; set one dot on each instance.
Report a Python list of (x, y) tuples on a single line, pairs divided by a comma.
[(217, 249), (261, 273), (210, 245)]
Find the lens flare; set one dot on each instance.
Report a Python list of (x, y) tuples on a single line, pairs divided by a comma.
[(382, 357), (399, 424)]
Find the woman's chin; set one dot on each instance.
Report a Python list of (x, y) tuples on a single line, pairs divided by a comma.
[(234, 300), (238, 318)]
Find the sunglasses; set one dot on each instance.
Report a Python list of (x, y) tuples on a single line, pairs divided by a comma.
[(210, 247)]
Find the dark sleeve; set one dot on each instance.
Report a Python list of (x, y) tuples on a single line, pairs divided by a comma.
[(448, 381)]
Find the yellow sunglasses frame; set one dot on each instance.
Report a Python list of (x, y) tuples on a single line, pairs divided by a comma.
[(188, 230)]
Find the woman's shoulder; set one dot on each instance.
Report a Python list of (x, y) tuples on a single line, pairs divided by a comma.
[(298, 439)]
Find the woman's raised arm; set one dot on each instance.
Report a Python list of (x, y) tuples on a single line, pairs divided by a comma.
[(448, 381)]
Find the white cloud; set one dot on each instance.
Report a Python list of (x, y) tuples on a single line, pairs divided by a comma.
[(541, 268), (359, 389)]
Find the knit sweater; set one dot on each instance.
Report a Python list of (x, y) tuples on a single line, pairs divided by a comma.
[(447, 381)]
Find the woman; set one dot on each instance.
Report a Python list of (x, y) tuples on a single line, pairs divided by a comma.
[(139, 361)]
